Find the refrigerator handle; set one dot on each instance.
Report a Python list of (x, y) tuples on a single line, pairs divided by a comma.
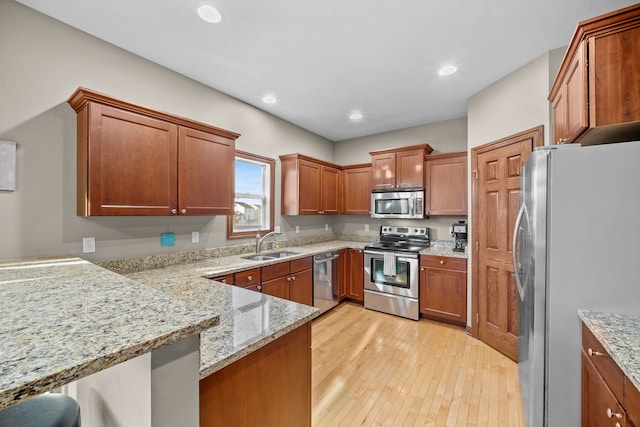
[(516, 235)]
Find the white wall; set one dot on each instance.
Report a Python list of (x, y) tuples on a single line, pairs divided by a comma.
[(45, 61)]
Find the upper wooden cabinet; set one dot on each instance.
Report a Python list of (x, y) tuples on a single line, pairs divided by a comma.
[(136, 161), (446, 184), (399, 167), (309, 186), (356, 185), (596, 95)]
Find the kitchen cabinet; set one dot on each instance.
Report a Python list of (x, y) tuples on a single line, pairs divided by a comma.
[(132, 160), (343, 273), (309, 186), (248, 279), (356, 182), (355, 275), (226, 278), (443, 288), (291, 280), (603, 386), (270, 386), (399, 167), (446, 184), (596, 95)]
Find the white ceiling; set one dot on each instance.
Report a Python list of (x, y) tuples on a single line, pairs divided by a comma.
[(326, 59)]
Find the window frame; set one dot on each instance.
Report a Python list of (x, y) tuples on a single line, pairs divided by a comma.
[(272, 166)]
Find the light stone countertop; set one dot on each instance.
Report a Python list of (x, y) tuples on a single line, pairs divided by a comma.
[(248, 320), (64, 318), (620, 336)]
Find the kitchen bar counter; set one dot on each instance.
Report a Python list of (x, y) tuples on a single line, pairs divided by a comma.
[(620, 336), (65, 318)]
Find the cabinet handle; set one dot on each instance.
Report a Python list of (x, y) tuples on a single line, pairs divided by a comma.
[(259, 287), (174, 211), (591, 352), (224, 280), (618, 425), (293, 277), (562, 140), (183, 211), (441, 262), (250, 277), (612, 414), (289, 279)]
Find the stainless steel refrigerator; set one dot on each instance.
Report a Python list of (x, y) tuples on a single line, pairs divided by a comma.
[(576, 245)]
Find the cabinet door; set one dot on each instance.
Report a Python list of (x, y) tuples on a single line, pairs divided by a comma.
[(343, 273), (132, 164), (443, 294), (355, 285), (277, 287), (357, 191), (575, 94), (446, 185), (410, 168), (383, 167), (309, 179), (559, 114), (301, 287), (206, 173), (597, 400), (330, 190)]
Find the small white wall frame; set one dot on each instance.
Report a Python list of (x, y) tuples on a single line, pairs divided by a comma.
[(7, 166)]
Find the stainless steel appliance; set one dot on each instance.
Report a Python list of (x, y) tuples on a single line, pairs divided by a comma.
[(407, 203), (325, 281), (459, 233), (391, 271), (570, 253)]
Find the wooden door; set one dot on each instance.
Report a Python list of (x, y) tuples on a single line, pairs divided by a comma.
[(330, 190), (301, 287), (410, 168), (443, 288), (575, 93), (355, 285), (496, 204), (383, 167), (277, 287), (205, 173), (309, 176), (343, 273)]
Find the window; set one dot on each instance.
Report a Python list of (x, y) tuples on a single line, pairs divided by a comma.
[(253, 204)]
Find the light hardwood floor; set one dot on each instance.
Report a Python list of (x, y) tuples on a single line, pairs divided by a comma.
[(373, 369)]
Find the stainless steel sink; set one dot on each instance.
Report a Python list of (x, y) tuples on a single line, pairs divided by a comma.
[(282, 254), (260, 257)]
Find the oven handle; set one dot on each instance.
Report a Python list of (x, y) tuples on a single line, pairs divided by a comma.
[(399, 256)]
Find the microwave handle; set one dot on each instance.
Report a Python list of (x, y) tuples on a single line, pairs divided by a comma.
[(412, 206)]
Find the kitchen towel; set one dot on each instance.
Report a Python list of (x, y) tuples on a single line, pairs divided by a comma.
[(389, 268)]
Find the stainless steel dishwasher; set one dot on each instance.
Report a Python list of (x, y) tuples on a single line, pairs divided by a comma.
[(325, 281)]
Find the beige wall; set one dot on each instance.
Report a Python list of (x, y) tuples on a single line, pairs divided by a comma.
[(44, 62)]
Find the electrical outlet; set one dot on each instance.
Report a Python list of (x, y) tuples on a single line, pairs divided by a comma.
[(195, 237), (297, 228), (326, 226), (366, 227), (88, 245)]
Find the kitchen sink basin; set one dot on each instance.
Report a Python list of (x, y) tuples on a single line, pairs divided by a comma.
[(260, 257), (282, 254)]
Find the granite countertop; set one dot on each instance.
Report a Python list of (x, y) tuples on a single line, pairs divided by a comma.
[(443, 248), (64, 318), (248, 319), (620, 336)]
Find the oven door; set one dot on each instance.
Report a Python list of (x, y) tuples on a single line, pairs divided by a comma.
[(404, 283)]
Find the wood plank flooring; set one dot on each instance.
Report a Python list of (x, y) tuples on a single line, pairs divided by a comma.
[(373, 369)]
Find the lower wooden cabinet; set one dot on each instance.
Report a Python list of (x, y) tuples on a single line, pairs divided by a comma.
[(354, 275), (603, 386), (443, 288), (343, 272), (269, 387), (292, 280)]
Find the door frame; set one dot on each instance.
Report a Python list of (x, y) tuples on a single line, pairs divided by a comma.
[(537, 135)]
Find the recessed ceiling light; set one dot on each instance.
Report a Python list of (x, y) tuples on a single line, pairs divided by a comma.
[(209, 13), (355, 116), (269, 99), (448, 70)]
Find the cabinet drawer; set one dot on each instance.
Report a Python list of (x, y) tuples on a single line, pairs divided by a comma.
[(632, 402), (605, 365), (247, 277), (301, 264), (449, 263), (280, 269), (227, 278)]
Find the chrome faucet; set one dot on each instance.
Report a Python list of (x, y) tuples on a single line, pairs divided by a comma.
[(259, 239)]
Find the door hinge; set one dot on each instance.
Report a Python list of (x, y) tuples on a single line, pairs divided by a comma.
[(477, 245), (477, 317), (475, 172)]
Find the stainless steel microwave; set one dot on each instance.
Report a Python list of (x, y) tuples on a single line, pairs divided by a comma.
[(399, 203)]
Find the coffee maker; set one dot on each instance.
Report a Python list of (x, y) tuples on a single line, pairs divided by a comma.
[(459, 232)]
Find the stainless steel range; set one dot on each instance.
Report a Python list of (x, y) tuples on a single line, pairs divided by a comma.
[(391, 271)]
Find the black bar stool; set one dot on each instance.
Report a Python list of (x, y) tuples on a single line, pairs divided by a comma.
[(45, 410)]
